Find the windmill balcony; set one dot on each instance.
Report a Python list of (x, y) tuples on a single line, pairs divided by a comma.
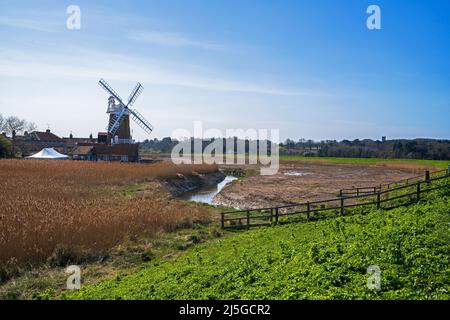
[(114, 109)]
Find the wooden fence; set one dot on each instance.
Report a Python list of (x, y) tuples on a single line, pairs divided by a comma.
[(356, 191), (400, 195)]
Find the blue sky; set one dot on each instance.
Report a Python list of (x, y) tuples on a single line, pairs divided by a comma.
[(309, 68)]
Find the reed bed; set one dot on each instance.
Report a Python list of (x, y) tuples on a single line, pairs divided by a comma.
[(46, 205)]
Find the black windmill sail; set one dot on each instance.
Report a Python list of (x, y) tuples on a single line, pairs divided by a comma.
[(120, 113)]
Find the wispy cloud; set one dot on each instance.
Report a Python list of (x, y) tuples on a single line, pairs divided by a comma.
[(172, 39), (22, 23), (93, 65), (25, 23)]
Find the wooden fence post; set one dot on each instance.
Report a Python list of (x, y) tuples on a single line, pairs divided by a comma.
[(222, 220), (378, 200), (418, 191), (271, 215), (248, 219), (340, 192), (342, 206), (307, 211), (427, 177), (276, 215)]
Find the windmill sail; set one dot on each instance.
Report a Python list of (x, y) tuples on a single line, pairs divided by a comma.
[(120, 113), (135, 94), (110, 90), (141, 121)]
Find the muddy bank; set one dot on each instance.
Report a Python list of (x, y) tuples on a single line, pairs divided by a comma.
[(182, 184), (298, 182)]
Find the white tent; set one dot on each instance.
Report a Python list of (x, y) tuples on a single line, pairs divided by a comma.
[(48, 153)]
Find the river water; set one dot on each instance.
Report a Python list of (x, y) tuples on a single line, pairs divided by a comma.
[(206, 195)]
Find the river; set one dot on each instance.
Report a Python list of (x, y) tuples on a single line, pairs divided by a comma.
[(206, 195)]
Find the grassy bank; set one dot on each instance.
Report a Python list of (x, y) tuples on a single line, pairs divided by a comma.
[(369, 161), (325, 259), (130, 256)]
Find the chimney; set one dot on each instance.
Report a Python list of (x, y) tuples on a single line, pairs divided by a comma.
[(71, 136), (48, 130)]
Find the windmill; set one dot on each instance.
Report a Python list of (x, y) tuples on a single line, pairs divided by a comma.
[(120, 113)]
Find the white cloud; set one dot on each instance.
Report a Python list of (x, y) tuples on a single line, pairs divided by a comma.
[(26, 23), (87, 64), (171, 39)]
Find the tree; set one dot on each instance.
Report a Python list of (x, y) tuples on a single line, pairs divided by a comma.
[(310, 143), (14, 125), (5, 146), (31, 126), (2, 123), (290, 143)]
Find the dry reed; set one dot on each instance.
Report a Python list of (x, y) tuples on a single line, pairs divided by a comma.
[(49, 204)]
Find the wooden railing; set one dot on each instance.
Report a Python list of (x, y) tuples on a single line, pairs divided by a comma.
[(381, 199), (356, 191)]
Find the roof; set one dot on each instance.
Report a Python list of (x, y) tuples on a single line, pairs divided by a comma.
[(48, 153), (80, 140), (116, 149), (73, 142), (83, 150), (45, 136)]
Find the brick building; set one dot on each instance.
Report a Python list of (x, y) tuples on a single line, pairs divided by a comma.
[(35, 141)]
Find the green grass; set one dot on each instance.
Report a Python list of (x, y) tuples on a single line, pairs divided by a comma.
[(128, 257), (368, 161), (327, 259)]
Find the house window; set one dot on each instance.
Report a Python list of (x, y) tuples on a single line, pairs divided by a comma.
[(124, 158)]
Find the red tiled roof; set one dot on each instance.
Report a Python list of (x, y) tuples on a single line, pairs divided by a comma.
[(83, 144), (80, 140), (83, 150), (45, 136)]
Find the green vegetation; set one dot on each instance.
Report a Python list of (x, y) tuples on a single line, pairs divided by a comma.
[(5, 147), (367, 161), (317, 260), (127, 258)]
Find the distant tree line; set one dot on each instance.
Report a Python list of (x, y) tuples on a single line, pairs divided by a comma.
[(432, 149), (166, 145)]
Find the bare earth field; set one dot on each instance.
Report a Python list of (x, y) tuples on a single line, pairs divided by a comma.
[(299, 181)]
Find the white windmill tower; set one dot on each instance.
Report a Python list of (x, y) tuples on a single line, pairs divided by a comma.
[(120, 113)]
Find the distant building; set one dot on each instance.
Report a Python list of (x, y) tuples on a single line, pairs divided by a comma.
[(104, 152), (117, 152), (84, 153), (89, 149), (35, 141), (71, 143)]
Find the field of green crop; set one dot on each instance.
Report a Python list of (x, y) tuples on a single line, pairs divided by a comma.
[(368, 161), (326, 259)]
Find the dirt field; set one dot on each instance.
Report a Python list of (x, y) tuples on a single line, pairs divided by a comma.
[(302, 181)]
